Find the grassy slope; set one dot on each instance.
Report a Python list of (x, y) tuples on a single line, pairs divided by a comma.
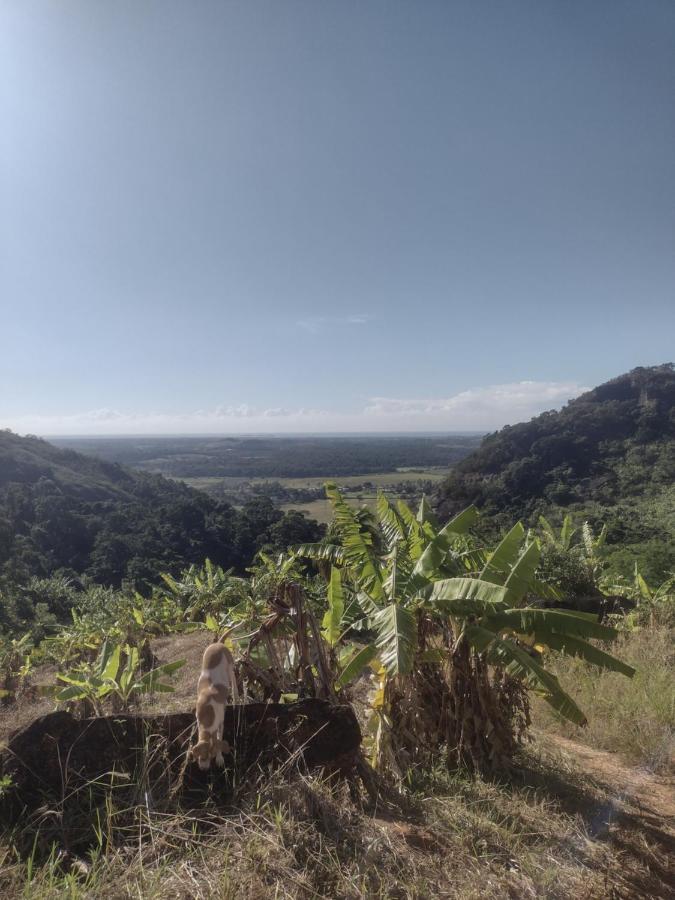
[(571, 822), (633, 717), (545, 834)]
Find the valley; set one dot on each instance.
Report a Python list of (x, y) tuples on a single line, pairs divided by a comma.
[(291, 471)]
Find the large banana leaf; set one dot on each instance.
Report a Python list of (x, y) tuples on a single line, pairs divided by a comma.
[(545, 590), (518, 663), (472, 588), (390, 523), (328, 552), (567, 532), (529, 620), (430, 561), (356, 545), (464, 607), (547, 528), (109, 660), (357, 663), (151, 680), (504, 557), (367, 604), (416, 535), (470, 560), (462, 522), (574, 646), (425, 513), (396, 638), (434, 553)]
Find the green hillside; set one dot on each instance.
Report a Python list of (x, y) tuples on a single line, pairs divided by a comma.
[(61, 511), (609, 456)]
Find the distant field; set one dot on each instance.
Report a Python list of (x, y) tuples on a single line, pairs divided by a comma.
[(291, 471), (322, 511), (380, 479), (358, 490)]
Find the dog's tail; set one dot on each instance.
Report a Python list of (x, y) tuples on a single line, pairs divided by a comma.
[(221, 638), (232, 674)]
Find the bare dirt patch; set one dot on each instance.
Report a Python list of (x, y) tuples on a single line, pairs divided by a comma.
[(633, 815)]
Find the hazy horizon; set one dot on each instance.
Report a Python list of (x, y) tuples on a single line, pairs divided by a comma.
[(261, 434), (474, 411)]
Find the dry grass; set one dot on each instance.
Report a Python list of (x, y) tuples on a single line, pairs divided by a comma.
[(634, 717), (301, 837)]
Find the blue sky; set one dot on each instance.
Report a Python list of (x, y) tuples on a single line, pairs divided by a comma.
[(321, 216)]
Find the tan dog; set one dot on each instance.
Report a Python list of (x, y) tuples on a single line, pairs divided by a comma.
[(216, 680)]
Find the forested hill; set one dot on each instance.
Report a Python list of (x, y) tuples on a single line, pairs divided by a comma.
[(63, 511), (609, 453)]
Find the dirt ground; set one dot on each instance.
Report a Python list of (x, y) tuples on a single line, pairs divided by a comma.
[(632, 815)]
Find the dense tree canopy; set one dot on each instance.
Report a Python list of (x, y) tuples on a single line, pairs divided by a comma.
[(608, 455), (60, 510)]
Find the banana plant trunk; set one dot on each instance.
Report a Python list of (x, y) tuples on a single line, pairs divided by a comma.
[(457, 706), (479, 731)]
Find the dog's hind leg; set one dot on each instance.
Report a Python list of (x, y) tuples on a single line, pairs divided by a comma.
[(219, 746)]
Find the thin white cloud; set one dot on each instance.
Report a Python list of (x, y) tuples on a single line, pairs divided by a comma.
[(477, 409), (485, 407), (315, 324)]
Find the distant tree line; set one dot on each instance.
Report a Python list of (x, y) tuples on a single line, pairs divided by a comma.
[(270, 458)]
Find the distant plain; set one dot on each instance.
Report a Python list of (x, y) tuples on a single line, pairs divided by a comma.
[(291, 470)]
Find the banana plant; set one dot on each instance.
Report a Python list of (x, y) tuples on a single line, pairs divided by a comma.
[(588, 545), (117, 673), (651, 603), (203, 589), (413, 573), (562, 540), (15, 664)]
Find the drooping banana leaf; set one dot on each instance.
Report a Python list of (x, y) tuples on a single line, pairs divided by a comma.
[(357, 663), (463, 607), (529, 620), (574, 646), (329, 552), (472, 588), (519, 664)]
